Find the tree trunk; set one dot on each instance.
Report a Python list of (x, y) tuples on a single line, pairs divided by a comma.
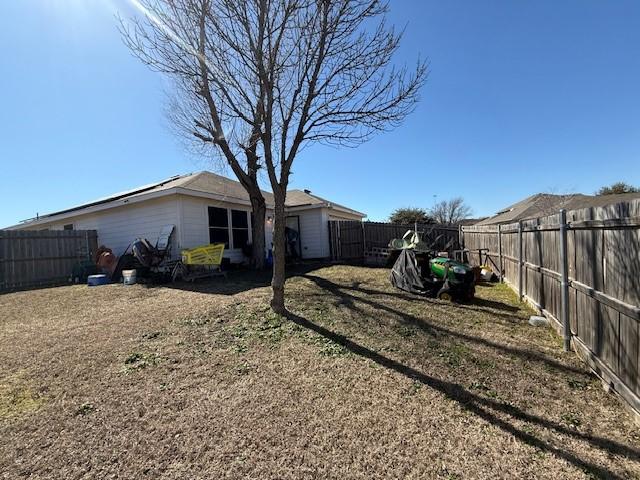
[(257, 232), (279, 251)]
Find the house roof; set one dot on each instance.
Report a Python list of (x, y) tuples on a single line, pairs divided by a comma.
[(543, 204), (465, 222), (304, 198), (199, 183), (211, 183)]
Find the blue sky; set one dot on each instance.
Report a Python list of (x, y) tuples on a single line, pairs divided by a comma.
[(522, 97)]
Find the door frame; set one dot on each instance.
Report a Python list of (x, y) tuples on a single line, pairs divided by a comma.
[(297, 217)]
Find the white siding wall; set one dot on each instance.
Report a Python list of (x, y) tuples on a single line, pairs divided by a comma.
[(195, 222), (314, 233), (118, 227)]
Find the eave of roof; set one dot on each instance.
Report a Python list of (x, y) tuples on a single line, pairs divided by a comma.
[(94, 207), (319, 201), (150, 191)]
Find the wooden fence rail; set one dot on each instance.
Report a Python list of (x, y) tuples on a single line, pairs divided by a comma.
[(354, 240), (601, 273), (38, 258)]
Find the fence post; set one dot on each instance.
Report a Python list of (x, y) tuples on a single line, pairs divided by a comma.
[(460, 238), (500, 251), (520, 293), (364, 242), (331, 241), (564, 281), (339, 236), (87, 244)]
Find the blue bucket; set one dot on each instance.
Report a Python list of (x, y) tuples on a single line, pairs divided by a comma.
[(95, 280)]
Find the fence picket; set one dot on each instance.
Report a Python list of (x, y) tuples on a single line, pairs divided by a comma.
[(46, 257)]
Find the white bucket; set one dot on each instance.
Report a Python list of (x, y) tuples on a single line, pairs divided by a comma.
[(486, 274), (129, 277)]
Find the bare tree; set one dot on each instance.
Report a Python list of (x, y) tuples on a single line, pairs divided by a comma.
[(264, 78), (450, 211)]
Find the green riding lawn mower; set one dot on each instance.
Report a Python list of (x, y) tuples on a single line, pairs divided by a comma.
[(419, 269)]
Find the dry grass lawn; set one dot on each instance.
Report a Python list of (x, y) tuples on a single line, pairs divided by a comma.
[(362, 381)]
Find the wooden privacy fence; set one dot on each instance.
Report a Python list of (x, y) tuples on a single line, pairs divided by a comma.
[(37, 258), (355, 240), (581, 269)]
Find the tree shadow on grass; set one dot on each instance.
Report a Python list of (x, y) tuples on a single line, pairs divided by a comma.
[(489, 410), (349, 301), (237, 281), (478, 304), (482, 302)]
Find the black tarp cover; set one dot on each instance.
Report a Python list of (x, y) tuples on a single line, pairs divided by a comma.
[(405, 273)]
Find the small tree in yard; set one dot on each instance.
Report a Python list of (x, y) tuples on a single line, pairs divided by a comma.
[(410, 215), (450, 211), (260, 79)]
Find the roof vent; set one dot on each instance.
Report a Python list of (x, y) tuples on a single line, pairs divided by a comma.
[(307, 191)]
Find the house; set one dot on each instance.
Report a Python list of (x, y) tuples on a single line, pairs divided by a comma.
[(544, 204), (205, 208)]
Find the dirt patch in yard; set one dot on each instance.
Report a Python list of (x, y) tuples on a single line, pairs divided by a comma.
[(360, 381), (17, 396)]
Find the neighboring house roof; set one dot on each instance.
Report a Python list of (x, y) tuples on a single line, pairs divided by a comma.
[(203, 183), (465, 222), (543, 204)]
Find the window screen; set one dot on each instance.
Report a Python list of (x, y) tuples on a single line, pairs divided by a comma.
[(218, 226)]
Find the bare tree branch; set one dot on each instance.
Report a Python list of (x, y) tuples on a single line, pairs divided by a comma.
[(451, 211)]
